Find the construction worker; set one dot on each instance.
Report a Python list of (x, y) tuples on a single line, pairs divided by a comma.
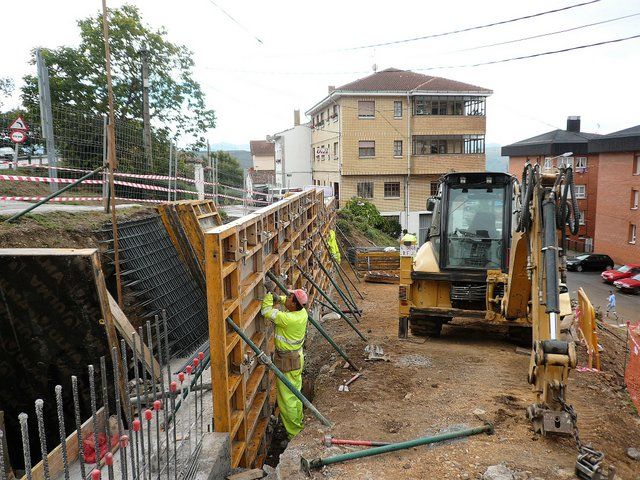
[(290, 330), (333, 246), (408, 244)]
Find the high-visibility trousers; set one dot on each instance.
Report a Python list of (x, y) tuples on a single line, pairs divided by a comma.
[(290, 406)]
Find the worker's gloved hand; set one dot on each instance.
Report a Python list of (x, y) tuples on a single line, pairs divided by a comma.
[(269, 285)]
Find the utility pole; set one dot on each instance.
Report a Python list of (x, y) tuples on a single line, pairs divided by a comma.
[(210, 165), (146, 117), (46, 117), (111, 151)]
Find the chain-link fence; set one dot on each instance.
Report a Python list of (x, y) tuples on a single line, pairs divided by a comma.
[(159, 173)]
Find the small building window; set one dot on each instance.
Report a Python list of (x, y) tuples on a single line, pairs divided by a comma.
[(581, 220), (397, 148), (392, 190), (335, 113), (335, 150), (397, 109), (635, 198), (632, 233), (365, 189), (636, 165), (548, 163), (581, 191), (565, 162), (581, 164), (433, 189), (366, 149), (366, 108)]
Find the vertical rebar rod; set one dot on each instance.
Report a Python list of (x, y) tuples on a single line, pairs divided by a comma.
[(155, 393), (162, 357), (116, 381), (172, 395), (148, 414), (138, 434), (127, 413), (94, 415), (105, 402), (144, 369), (62, 431), (3, 471), (201, 358), (76, 409), (42, 434), (26, 451)]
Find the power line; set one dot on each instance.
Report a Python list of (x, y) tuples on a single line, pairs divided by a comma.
[(236, 21), (533, 55), (522, 39), (468, 29)]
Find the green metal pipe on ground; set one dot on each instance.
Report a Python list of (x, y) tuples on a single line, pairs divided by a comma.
[(266, 360), (319, 327), (331, 302), (318, 463)]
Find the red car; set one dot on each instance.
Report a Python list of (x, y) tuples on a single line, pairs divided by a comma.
[(629, 285), (625, 271)]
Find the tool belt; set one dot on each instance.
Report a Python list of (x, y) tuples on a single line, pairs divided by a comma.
[(287, 361)]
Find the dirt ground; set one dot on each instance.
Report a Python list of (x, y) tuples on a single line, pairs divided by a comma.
[(431, 385)]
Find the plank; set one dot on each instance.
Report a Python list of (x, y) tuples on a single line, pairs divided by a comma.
[(247, 475)]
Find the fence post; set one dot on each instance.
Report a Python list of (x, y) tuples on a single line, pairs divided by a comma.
[(169, 182), (105, 179), (46, 118)]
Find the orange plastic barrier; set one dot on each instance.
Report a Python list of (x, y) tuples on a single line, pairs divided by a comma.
[(632, 372)]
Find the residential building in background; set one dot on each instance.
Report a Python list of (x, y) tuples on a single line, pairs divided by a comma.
[(263, 155), (545, 150), (617, 213), (388, 137), (292, 149)]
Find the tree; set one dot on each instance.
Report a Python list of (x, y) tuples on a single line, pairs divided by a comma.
[(229, 169), (78, 75), (6, 89)]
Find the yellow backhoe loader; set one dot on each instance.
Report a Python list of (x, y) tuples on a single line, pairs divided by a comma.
[(494, 252)]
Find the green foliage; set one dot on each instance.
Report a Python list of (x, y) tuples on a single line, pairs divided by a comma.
[(6, 89), (359, 207), (229, 170), (362, 216), (78, 75)]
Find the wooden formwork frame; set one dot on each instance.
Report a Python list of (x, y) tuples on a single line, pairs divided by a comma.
[(238, 255)]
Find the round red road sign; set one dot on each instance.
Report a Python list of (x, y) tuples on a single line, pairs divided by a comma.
[(18, 136)]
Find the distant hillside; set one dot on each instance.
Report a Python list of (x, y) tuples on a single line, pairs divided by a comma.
[(226, 147), (243, 156), (495, 161)]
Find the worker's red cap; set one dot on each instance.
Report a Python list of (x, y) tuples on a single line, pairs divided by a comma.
[(300, 295)]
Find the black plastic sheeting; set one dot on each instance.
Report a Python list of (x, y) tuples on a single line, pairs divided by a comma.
[(51, 327), (156, 279)]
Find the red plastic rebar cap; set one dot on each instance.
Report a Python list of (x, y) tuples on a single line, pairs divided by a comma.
[(95, 474), (148, 414), (196, 362), (173, 386), (124, 441), (181, 376), (189, 369), (136, 425), (201, 355), (108, 458), (157, 405)]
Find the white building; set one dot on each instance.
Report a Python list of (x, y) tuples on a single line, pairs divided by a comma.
[(293, 155)]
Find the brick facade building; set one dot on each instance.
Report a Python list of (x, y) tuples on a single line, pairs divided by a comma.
[(545, 150), (617, 212), (389, 137)]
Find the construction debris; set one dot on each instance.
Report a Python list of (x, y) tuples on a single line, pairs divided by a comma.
[(345, 386), (375, 353)]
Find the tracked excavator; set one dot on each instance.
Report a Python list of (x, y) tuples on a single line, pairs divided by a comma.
[(495, 253)]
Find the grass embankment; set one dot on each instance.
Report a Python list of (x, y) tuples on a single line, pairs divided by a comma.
[(361, 222)]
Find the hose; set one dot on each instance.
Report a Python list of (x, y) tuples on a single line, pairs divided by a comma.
[(526, 194), (564, 212)]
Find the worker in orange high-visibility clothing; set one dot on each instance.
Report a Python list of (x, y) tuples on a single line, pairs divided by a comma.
[(290, 331)]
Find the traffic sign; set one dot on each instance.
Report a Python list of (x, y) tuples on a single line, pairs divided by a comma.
[(18, 136), (19, 124)]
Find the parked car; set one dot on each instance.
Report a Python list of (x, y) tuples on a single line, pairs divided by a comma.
[(629, 285), (625, 271), (590, 261), (6, 153)]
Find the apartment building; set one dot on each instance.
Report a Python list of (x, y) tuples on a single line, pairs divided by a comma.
[(264, 162), (293, 155), (617, 212), (389, 136), (546, 149)]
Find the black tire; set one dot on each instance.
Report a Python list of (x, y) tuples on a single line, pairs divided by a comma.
[(426, 327), (578, 268), (522, 336)]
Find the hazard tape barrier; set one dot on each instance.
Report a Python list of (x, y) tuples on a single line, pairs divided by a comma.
[(143, 186), (632, 372)]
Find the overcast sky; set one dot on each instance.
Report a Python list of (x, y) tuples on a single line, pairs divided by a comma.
[(254, 87)]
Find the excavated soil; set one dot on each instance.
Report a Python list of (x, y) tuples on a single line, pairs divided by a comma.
[(432, 385)]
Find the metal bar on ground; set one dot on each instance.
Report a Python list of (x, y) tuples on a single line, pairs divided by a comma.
[(264, 358), (316, 464), (333, 305), (319, 327)]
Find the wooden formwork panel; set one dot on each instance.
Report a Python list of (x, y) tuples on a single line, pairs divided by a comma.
[(238, 255)]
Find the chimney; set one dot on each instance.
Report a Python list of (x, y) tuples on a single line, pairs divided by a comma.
[(296, 118), (331, 88), (573, 124)]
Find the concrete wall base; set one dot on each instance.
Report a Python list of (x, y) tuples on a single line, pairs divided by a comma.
[(214, 461)]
